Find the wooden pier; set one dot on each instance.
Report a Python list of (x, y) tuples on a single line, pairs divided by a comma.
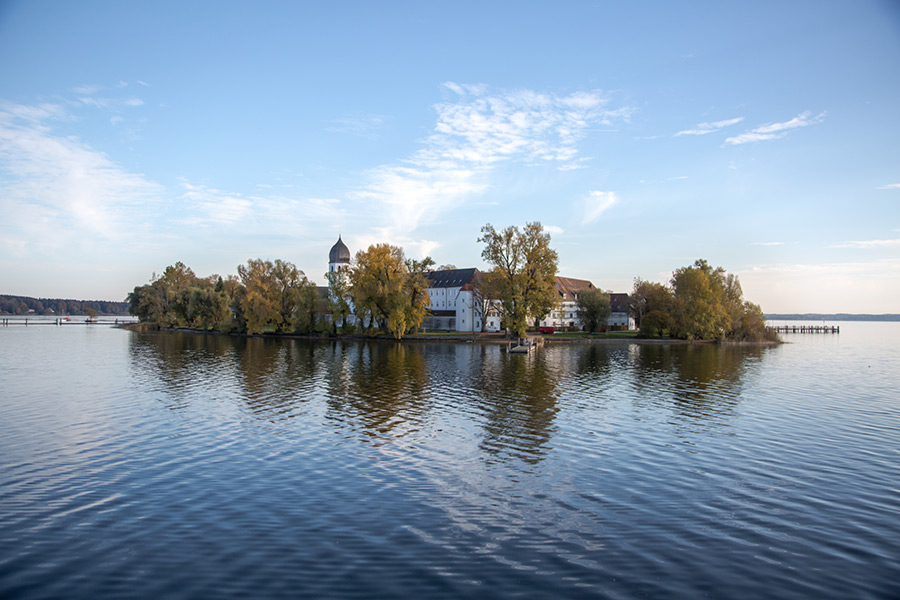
[(6, 321), (805, 328)]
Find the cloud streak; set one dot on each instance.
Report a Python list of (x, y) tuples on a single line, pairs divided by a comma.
[(868, 244), (55, 186), (595, 204), (774, 131), (705, 128), (476, 130)]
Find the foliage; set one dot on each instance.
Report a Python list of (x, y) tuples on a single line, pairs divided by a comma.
[(24, 305), (701, 303), (655, 323), (647, 297), (340, 304), (275, 296), (523, 269), (593, 308), (389, 291)]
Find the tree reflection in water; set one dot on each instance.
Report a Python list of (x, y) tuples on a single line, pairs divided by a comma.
[(700, 383), (381, 386), (462, 392), (518, 397)]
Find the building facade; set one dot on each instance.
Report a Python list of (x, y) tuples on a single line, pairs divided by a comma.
[(456, 305), (565, 314)]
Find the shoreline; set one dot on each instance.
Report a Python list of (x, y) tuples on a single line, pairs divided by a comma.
[(478, 338)]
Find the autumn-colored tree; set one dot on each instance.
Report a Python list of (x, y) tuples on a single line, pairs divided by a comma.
[(388, 290), (271, 294), (522, 274), (702, 303)]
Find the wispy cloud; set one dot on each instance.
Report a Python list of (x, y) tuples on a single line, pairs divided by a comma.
[(476, 130), (361, 124), (890, 186), (705, 128), (58, 185), (64, 200), (774, 131), (768, 244), (595, 204), (868, 244)]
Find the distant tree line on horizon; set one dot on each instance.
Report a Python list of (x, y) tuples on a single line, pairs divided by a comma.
[(25, 305), (387, 292)]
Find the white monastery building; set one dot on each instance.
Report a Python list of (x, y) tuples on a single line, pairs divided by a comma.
[(455, 304)]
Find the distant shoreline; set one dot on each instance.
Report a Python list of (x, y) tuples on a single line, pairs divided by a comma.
[(831, 317)]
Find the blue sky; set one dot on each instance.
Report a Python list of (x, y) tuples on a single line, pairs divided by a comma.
[(761, 136)]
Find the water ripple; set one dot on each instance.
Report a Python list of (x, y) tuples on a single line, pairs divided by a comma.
[(208, 466)]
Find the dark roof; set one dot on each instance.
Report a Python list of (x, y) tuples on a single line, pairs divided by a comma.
[(569, 288), (451, 277), (340, 253), (619, 303)]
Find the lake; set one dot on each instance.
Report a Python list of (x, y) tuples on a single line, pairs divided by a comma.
[(192, 466)]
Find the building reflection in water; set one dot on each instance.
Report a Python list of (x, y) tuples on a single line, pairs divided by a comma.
[(380, 387), (386, 391)]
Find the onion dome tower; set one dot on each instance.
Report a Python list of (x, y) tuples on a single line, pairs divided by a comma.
[(339, 257)]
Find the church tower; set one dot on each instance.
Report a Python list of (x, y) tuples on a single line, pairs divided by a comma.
[(339, 257)]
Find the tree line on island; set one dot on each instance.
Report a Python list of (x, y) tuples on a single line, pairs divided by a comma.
[(59, 307), (386, 292)]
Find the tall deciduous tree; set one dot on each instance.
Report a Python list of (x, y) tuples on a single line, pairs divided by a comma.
[(388, 290), (702, 303), (647, 297), (699, 302), (271, 294), (523, 269), (593, 308), (340, 304)]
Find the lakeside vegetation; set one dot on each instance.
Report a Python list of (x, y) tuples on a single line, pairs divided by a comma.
[(387, 294), (699, 303), (59, 307)]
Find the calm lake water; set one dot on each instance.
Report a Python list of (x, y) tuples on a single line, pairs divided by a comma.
[(191, 466)]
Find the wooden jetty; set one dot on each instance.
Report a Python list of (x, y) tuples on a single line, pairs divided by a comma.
[(27, 321), (805, 328), (524, 345)]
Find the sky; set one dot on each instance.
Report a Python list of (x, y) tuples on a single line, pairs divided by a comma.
[(760, 136)]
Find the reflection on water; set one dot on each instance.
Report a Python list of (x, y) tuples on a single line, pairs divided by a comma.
[(386, 390), (184, 466), (382, 388)]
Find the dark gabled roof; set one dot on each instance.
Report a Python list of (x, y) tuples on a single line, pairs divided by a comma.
[(451, 277), (568, 287), (619, 303), (340, 253)]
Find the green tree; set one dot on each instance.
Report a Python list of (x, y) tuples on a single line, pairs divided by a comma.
[(340, 304), (647, 297), (656, 323), (699, 302), (523, 268), (593, 308)]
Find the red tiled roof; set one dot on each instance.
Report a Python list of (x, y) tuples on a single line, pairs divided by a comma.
[(569, 287)]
